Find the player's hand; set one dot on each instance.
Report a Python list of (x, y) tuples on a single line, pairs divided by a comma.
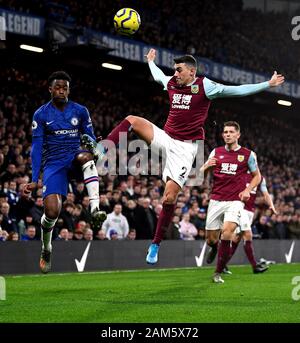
[(151, 55), (244, 195), (276, 79), (29, 187), (273, 209), (210, 163)]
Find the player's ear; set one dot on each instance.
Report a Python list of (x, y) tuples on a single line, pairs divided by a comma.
[(193, 71), (50, 89)]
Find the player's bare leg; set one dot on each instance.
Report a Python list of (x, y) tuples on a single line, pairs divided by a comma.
[(142, 127), (212, 240), (224, 250), (52, 205), (91, 180), (169, 202)]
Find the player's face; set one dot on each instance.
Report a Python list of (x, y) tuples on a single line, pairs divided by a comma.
[(60, 90), (184, 74), (230, 135)]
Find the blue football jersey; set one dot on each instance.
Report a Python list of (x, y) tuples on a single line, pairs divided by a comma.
[(58, 134)]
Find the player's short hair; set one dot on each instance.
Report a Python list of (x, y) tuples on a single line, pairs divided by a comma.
[(235, 124), (59, 75), (187, 59)]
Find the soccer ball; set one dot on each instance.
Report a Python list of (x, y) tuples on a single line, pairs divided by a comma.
[(127, 21)]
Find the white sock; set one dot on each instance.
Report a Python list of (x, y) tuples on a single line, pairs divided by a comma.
[(46, 232), (91, 180)]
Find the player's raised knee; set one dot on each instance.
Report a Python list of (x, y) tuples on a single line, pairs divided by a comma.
[(84, 157), (130, 118)]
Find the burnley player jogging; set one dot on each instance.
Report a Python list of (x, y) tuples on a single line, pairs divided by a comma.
[(190, 98), (230, 164), (56, 130), (243, 231)]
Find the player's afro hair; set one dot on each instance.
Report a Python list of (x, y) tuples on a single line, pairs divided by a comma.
[(59, 75)]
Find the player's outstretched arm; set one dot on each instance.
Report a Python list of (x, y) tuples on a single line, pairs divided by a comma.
[(276, 80), (151, 55), (217, 90), (156, 72)]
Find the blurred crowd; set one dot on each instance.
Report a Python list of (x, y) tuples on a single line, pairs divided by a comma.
[(219, 30), (133, 203)]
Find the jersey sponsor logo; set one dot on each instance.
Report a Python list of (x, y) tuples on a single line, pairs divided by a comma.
[(34, 125), (195, 89), (241, 158), (66, 132), (49, 122), (228, 168), (181, 101), (74, 121)]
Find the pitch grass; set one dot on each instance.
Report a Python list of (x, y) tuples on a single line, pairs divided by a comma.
[(152, 296)]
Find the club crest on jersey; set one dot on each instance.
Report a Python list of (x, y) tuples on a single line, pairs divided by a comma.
[(74, 121), (195, 89), (241, 158)]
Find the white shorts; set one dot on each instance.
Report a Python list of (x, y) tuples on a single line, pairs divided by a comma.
[(220, 212), (179, 156), (245, 222)]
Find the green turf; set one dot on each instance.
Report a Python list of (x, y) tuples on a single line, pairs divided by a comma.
[(158, 296)]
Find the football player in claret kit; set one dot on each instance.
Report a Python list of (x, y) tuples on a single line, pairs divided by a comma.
[(190, 98), (244, 231), (229, 165), (56, 130)]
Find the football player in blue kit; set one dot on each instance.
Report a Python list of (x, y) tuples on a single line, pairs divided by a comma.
[(56, 130)]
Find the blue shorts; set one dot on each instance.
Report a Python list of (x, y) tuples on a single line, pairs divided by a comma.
[(56, 175)]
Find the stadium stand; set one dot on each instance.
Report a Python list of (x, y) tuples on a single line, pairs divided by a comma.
[(165, 26)]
